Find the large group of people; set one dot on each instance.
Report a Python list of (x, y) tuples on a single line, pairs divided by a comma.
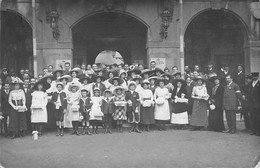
[(101, 96)]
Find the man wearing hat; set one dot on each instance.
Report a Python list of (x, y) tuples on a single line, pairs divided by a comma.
[(254, 99), (231, 98), (239, 78)]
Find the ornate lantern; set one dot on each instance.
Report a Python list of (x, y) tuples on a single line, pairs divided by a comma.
[(52, 18), (166, 16)]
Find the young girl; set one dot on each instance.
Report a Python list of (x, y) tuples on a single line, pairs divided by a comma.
[(60, 107), (107, 109), (86, 84), (147, 103), (38, 107), (96, 114), (132, 98), (73, 107), (162, 111), (85, 105), (120, 109)]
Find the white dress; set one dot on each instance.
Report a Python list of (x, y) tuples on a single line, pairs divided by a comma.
[(161, 111), (38, 107), (73, 106), (95, 112)]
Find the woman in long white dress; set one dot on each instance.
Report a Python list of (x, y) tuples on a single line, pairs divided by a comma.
[(162, 109), (39, 106)]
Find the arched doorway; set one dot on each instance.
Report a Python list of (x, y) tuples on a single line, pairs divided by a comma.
[(16, 42), (109, 31), (215, 37)]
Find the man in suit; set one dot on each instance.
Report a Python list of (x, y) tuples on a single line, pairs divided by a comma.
[(28, 98), (239, 78), (254, 99), (231, 97), (5, 106)]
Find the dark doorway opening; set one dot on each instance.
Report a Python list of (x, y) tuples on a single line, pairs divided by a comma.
[(16, 42), (215, 37), (109, 31)]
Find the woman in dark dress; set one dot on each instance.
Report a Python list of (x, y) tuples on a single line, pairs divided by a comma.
[(17, 118), (216, 122)]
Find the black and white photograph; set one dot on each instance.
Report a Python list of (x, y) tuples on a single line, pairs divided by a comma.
[(129, 83)]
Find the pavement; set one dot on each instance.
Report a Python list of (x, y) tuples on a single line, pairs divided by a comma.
[(163, 149)]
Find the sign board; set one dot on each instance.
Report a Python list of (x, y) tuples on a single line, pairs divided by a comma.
[(60, 63), (160, 62)]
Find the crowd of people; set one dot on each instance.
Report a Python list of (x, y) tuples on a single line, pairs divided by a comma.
[(100, 96)]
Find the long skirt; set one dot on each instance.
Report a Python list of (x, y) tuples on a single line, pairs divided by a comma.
[(147, 115), (162, 112), (199, 113), (180, 118), (39, 116), (51, 124), (216, 122), (17, 121)]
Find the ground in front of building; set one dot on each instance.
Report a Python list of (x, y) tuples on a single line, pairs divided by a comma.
[(171, 148)]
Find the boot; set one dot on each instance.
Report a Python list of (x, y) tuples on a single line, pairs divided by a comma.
[(132, 128), (136, 128), (62, 131), (120, 128), (88, 132), (84, 131), (58, 132)]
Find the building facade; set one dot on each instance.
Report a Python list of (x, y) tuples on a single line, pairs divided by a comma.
[(36, 33)]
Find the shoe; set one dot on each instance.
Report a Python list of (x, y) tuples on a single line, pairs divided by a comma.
[(137, 130), (13, 137), (62, 132), (77, 133), (88, 133), (109, 131), (232, 132), (227, 131)]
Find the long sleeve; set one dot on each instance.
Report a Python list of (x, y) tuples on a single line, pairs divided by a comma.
[(10, 99), (23, 98)]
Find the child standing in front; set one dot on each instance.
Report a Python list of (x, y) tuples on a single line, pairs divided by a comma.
[(133, 102), (60, 102), (107, 109), (73, 107), (85, 105), (96, 114)]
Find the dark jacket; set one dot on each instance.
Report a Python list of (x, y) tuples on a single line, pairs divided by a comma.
[(134, 98), (107, 106), (84, 107), (254, 96), (217, 98), (28, 97), (179, 107), (63, 99), (5, 106), (240, 80), (231, 97)]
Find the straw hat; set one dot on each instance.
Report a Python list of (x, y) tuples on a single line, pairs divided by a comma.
[(59, 83), (73, 85), (131, 83)]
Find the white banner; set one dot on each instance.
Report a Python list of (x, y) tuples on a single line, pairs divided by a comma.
[(160, 62)]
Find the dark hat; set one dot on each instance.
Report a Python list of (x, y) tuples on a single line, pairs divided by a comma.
[(255, 74), (154, 77), (67, 77), (114, 72), (43, 83), (58, 70), (146, 71), (177, 73), (199, 78), (213, 78), (158, 70), (161, 80), (118, 79), (98, 76), (84, 90), (169, 76), (183, 82), (85, 78), (48, 77), (248, 76), (135, 70), (136, 77)]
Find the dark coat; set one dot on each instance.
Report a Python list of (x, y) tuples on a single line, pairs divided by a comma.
[(134, 98), (63, 99), (254, 95), (107, 106), (240, 80), (179, 107), (5, 106), (28, 97), (217, 98), (84, 107), (102, 87), (231, 97)]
